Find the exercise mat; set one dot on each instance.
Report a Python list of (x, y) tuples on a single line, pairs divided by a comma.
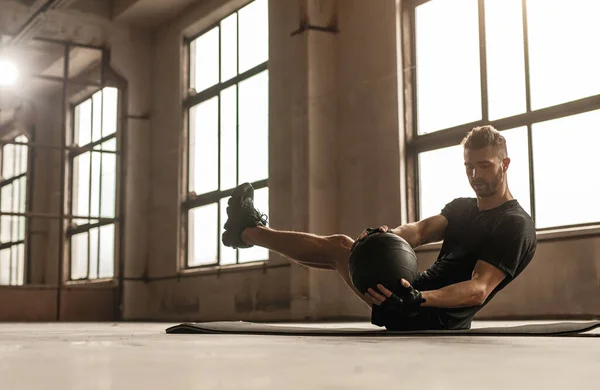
[(571, 329)]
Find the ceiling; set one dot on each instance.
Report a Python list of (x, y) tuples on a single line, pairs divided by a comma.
[(26, 24), (149, 13)]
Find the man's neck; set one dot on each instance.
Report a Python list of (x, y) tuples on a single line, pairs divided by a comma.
[(502, 196)]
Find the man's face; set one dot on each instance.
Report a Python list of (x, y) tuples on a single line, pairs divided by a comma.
[(485, 170)]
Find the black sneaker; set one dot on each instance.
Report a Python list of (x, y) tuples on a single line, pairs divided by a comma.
[(241, 214)]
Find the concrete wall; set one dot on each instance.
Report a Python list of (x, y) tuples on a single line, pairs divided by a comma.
[(335, 167), (563, 280), (79, 301)]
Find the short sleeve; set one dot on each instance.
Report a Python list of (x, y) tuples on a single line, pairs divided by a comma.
[(507, 245), (454, 209)]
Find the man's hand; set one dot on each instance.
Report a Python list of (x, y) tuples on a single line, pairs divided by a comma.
[(409, 300), (368, 231)]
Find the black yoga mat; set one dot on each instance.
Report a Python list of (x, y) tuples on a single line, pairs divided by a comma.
[(251, 328)]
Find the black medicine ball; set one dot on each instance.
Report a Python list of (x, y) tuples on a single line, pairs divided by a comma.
[(382, 258)]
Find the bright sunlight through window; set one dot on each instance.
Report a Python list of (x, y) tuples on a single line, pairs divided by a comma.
[(541, 56), (228, 130)]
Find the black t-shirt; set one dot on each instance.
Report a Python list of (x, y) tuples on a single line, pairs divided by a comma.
[(504, 236)]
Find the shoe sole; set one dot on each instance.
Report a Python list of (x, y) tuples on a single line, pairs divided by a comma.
[(242, 191)]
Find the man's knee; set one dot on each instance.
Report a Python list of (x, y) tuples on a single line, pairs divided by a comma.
[(340, 246), (341, 241)]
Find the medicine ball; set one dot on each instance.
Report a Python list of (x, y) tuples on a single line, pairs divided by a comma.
[(382, 258)]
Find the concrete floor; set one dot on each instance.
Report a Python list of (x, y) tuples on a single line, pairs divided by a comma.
[(141, 356)]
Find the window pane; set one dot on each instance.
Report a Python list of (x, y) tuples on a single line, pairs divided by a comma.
[(442, 178), (7, 198), (111, 145), (79, 256), (202, 235), (204, 146), (14, 227), (83, 123), (254, 34), (254, 128), (94, 238), (109, 182), (229, 47), (228, 255), (107, 251), (97, 116), (21, 233), (565, 160), (518, 170), (95, 185), (8, 161), (81, 186), (22, 160), (109, 111), (5, 230), (15, 196), (257, 253), (563, 50), (447, 56), (228, 138), (22, 155), (22, 199), (20, 264), (505, 58), (5, 267), (13, 265), (204, 52)]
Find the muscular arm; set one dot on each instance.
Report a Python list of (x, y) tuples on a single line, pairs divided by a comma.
[(423, 232), (472, 292)]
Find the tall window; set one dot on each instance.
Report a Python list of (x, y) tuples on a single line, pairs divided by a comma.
[(527, 68), (228, 125), (13, 199), (93, 186)]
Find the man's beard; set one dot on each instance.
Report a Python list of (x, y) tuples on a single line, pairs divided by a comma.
[(485, 189)]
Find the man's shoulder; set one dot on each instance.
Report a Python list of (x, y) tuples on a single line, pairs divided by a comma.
[(463, 202), (516, 222), (516, 216), (458, 208)]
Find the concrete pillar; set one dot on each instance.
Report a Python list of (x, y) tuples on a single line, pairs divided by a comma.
[(303, 115), (132, 58), (166, 157), (45, 122), (368, 132), (45, 235)]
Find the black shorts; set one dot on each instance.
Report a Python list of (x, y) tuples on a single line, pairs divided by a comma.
[(427, 318)]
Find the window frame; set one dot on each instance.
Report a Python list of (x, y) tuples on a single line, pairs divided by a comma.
[(73, 153), (191, 99), (416, 144), (12, 140)]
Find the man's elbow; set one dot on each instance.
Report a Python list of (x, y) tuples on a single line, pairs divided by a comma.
[(480, 294)]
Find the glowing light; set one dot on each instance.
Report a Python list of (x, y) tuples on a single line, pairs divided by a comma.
[(9, 74)]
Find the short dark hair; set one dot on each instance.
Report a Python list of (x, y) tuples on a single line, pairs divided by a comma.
[(483, 136)]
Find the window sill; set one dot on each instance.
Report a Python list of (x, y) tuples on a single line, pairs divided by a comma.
[(542, 236), (94, 283), (567, 233), (230, 268), (27, 287)]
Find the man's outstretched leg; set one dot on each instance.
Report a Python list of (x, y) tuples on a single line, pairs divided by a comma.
[(246, 227)]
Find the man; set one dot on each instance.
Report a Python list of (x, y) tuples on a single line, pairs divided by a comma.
[(487, 242)]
